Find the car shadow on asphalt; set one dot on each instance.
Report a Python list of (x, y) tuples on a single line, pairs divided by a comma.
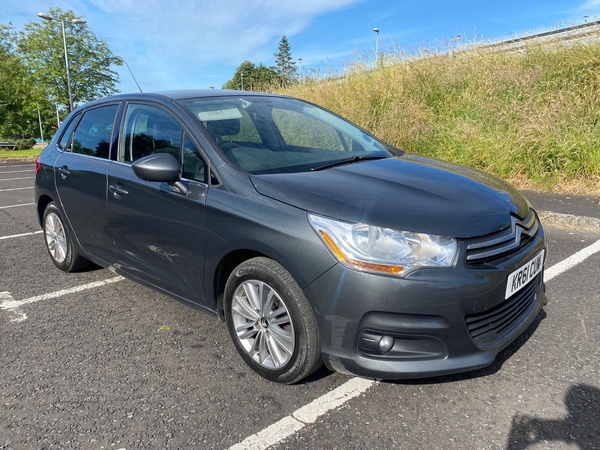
[(581, 426)]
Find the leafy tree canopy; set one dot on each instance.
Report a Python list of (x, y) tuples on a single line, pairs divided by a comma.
[(33, 74), (250, 77), (40, 45), (20, 97)]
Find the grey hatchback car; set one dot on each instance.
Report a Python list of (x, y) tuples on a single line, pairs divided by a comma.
[(313, 240)]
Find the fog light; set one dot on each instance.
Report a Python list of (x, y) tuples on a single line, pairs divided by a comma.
[(385, 344)]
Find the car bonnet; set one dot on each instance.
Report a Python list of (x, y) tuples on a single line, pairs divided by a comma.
[(408, 193)]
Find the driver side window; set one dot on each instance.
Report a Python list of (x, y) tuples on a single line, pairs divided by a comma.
[(149, 130)]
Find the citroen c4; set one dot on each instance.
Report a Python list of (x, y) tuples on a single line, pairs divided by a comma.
[(314, 241)]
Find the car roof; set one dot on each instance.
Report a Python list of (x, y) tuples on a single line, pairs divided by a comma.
[(179, 95), (195, 93)]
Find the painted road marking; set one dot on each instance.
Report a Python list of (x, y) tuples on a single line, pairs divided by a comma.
[(308, 414), (16, 206), (16, 189), (20, 235), (13, 307), (15, 179), (571, 261), (17, 171)]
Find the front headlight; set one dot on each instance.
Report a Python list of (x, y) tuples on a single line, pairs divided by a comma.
[(383, 250)]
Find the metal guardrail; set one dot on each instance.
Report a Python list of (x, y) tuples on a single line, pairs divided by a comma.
[(583, 31)]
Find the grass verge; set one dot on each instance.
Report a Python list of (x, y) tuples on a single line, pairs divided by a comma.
[(19, 154), (531, 117)]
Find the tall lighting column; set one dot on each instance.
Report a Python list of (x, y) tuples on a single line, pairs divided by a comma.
[(376, 30), (62, 22)]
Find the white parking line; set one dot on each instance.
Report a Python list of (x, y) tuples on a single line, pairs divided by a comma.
[(18, 165), (16, 206), (7, 303), (571, 261), (16, 189), (19, 235), (306, 415), (16, 171), (15, 179)]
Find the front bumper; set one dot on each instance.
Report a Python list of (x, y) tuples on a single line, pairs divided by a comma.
[(429, 315)]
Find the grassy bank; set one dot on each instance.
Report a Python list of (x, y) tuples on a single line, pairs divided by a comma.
[(20, 154), (532, 118)]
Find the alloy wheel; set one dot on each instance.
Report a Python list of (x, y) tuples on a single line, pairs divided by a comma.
[(263, 324), (56, 238)]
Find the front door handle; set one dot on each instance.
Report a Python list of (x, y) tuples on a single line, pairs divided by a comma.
[(119, 191)]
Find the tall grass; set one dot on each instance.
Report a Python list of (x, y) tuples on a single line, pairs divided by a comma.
[(531, 117)]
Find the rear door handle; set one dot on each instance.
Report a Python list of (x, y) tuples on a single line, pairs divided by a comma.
[(119, 191), (64, 171)]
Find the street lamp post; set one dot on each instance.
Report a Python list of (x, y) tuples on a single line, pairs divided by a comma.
[(41, 130), (62, 22), (376, 30)]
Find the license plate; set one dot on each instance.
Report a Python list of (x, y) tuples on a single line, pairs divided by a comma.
[(524, 275)]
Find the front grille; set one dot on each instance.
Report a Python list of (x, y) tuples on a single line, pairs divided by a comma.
[(504, 242), (493, 325)]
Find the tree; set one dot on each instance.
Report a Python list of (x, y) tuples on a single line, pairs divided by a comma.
[(20, 97), (40, 46), (284, 65), (250, 77)]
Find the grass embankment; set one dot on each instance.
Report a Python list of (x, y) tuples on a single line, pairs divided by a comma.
[(20, 154), (532, 118)]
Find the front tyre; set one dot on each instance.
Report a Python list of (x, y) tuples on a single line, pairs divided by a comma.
[(59, 241), (271, 323)]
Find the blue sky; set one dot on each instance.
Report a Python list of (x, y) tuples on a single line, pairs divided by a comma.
[(172, 44)]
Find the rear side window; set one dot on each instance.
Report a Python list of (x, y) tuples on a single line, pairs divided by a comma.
[(93, 133), (65, 139)]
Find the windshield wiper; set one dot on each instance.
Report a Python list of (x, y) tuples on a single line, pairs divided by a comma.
[(348, 161)]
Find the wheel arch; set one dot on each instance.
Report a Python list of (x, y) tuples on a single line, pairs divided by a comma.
[(229, 262), (42, 203)]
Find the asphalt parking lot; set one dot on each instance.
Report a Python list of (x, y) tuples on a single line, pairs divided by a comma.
[(91, 360)]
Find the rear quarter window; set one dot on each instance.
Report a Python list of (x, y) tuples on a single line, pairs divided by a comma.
[(65, 139)]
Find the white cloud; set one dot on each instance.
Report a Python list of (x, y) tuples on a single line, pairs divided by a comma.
[(208, 31), (167, 41)]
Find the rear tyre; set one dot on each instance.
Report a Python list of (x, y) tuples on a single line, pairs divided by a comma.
[(271, 323), (59, 241)]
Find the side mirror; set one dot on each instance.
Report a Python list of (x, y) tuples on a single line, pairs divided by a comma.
[(160, 167)]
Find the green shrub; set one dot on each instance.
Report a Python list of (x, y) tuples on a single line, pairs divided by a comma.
[(24, 144)]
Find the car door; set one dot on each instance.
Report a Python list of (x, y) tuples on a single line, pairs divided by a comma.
[(80, 178), (158, 232)]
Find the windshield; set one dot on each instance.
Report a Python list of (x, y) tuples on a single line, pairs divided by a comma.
[(276, 135)]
